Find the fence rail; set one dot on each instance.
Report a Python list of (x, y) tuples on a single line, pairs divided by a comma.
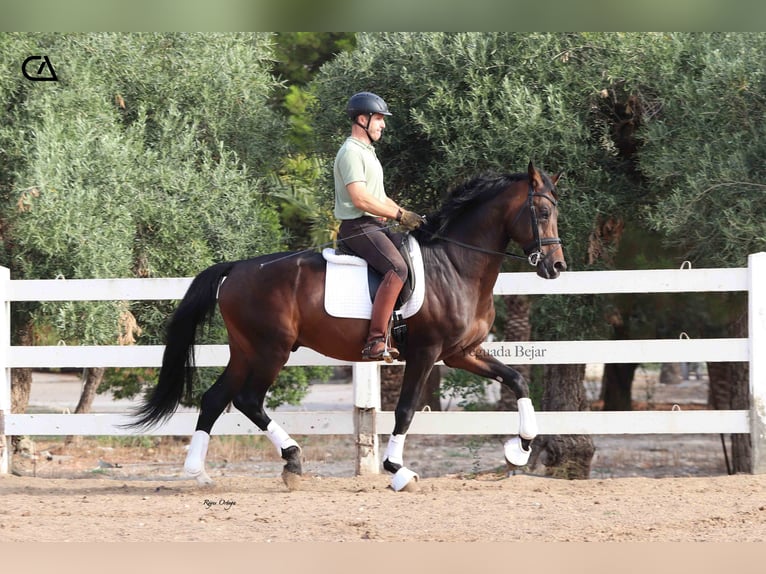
[(366, 376)]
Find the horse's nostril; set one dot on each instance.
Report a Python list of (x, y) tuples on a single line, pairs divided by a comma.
[(560, 266)]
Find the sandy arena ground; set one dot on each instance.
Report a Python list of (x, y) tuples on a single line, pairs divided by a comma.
[(641, 489)]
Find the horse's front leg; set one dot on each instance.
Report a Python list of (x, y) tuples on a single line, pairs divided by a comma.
[(479, 362), (415, 374)]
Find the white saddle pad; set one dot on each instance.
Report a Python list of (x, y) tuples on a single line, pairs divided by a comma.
[(347, 293)]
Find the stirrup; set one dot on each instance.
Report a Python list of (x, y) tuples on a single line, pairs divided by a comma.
[(386, 353)]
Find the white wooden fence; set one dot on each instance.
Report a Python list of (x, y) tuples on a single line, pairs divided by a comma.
[(367, 419)]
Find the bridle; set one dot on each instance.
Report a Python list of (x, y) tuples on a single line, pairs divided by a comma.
[(533, 252)]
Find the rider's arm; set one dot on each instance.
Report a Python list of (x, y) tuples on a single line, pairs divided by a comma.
[(357, 190)]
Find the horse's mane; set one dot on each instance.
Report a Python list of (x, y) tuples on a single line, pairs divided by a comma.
[(461, 198)]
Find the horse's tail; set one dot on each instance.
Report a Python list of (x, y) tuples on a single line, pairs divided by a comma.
[(177, 372)]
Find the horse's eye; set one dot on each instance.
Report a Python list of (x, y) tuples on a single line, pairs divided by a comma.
[(545, 214)]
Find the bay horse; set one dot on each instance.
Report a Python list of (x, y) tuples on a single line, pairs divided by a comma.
[(273, 304)]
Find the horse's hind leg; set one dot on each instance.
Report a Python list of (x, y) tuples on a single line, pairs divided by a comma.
[(249, 400), (214, 401)]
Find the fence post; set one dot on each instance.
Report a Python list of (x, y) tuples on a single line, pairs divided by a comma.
[(366, 378), (757, 343), (5, 371)]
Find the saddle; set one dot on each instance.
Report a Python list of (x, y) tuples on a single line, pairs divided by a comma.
[(351, 284), (374, 279)]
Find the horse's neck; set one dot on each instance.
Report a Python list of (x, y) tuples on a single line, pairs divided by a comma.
[(483, 227), (457, 260), (487, 240)]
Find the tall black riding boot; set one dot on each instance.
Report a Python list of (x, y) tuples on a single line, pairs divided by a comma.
[(382, 309)]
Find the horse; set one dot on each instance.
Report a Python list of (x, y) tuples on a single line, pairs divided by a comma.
[(273, 304)]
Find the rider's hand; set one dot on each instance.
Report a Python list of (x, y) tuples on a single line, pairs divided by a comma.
[(409, 219)]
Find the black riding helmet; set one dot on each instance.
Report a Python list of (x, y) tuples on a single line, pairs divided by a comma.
[(366, 103)]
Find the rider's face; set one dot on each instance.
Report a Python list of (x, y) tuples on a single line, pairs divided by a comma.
[(377, 124)]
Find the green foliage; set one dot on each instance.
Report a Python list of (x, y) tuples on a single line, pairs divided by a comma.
[(293, 383), (470, 388), (303, 212), (148, 158), (126, 383), (299, 56), (138, 162), (707, 148)]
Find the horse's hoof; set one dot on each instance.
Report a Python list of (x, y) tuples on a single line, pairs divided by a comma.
[(292, 480), (201, 477), (515, 453), (292, 457), (405, 480)]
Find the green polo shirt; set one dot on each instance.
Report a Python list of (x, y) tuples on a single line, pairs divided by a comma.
[(356, 161)]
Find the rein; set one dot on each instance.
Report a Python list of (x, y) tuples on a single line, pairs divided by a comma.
[(322, 246), (533, 253)]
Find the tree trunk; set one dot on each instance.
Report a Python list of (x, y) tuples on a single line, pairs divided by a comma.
[(390, 385), (729, 389), (21, 379), (564, 456), (617, 384), (670, 374), (92, 378), (617, 381), (517, 328), (21, 385)]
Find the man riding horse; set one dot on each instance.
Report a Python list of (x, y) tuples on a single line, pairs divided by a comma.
[(363, 207)]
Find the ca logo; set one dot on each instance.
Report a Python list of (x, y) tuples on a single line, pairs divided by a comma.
[(39, 75)]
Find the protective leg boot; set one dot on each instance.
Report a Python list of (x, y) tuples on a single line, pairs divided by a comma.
[(382, 309)]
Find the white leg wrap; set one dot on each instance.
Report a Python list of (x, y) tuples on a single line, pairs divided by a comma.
[(527, 420), (515, 453), (194, 465), (402, 478), (395, 449), (279, 438)]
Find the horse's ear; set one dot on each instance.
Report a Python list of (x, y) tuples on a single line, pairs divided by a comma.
[(555, 179), (534, 176)]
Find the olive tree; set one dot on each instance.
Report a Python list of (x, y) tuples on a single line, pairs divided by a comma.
[(706, 151), (147, 158)]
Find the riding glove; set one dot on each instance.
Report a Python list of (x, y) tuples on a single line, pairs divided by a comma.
[(409, 219)]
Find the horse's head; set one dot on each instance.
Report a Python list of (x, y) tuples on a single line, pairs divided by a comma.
[(534, 225)]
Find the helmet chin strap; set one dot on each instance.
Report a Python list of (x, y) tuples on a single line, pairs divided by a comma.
[(366, 128)]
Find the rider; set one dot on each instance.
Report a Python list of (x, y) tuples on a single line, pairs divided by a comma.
[(363, 207)]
